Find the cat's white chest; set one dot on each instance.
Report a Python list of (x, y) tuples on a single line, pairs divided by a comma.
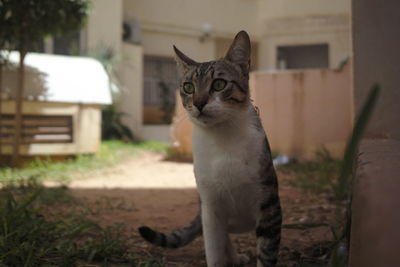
[(227, 170)]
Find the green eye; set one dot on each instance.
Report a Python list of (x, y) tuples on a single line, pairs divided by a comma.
[(218, 84), (188, 88)]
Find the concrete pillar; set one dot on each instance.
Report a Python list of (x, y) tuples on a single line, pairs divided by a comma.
[(376, 44), (375, 232)]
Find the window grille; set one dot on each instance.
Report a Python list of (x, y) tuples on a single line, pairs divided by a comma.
[(157, 70)]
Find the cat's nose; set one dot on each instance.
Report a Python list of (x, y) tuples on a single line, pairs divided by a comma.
[(200, 105)]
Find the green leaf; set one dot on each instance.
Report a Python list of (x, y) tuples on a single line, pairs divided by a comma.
[(342, 186)]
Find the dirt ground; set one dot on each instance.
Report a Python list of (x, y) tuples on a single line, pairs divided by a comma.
[(148, 190)]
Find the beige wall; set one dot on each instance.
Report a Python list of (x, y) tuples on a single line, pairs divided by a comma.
[(290, 8), (160, 133), (331, 30), (180, 23), (86, 127), (307, 22), (104, 26), (302, 111), (181, 131), (186, 17), (271, 23), (160, 44), (131, 100)]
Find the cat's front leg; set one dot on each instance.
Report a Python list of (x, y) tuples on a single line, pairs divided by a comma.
[(235, 258), (268, 231), (215, 236)]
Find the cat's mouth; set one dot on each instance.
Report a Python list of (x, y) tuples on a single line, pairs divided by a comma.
[(203, 117)]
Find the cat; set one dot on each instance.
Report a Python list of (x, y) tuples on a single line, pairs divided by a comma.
[(235, 177)]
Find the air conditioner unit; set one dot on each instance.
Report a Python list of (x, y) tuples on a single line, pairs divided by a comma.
[(132, 32)]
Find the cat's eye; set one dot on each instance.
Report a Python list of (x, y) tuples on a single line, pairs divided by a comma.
[(188, 88), (218, 84)]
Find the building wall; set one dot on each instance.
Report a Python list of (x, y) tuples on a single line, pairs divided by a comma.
[(183, 23), (130, 101), (331, 30), (104, 30), (160, 44), (160, 133), (187, 16), (308, 22), (289, 8), (271, 23), (181, 131), (104, 26), (86, 127), (305, 111)]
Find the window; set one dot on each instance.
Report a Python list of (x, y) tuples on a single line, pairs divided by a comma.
[(160, 84), (67, 44), (303, 57), (71, 44)]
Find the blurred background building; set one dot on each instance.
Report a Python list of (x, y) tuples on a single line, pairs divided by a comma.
[(140, 33), (134, 38)]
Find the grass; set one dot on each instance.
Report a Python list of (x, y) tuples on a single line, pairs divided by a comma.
[(110, 153), (30, 238), (343, 188), (315, 177), (30, 235), (36, 231), (318, 179), (332, 176)]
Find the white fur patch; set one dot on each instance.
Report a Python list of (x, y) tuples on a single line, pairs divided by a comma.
[(226, 165)]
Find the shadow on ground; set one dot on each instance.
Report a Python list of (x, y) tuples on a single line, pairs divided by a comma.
[(169, 209)]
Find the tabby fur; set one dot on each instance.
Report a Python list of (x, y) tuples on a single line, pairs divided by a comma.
[(235, 177)]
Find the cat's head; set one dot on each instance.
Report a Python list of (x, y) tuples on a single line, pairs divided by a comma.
[(216, 92)]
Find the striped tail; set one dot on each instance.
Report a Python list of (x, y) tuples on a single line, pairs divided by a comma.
[(176, 239)]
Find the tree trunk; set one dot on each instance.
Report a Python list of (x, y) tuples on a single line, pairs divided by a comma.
[(18, 108)]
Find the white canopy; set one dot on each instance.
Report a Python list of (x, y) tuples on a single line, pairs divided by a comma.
[(68, 78)]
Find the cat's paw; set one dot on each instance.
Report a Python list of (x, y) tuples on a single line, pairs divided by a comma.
[(240, 259)]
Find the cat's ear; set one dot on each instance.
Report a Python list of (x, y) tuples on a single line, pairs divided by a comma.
[(239, 52), (184, 62)]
